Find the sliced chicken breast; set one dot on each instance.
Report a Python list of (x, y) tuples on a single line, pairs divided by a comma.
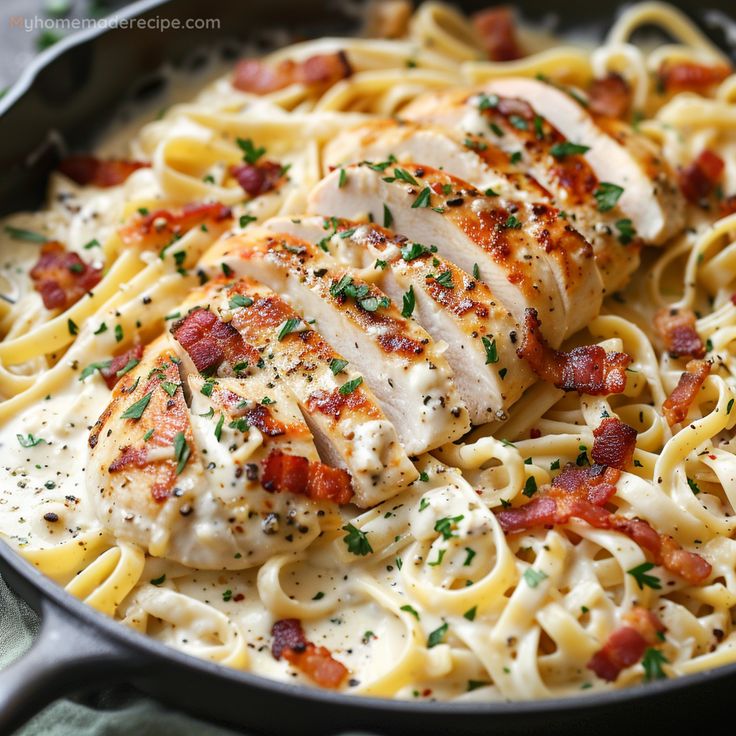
[(349, 427), (649, 196), (526, 254), (178, 463), (479, 331), (567, 180), (400, 362)]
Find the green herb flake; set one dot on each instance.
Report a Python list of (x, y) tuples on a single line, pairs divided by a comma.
[(356, 540), (411, 610), (288, 327), (30, 440), (135, 411), (251, 153), (437, 636), (239, 300), (337, 365), (470, 613), (158, 581), (607, 195), (652, 662), (639, 573), (491, 350), (349, 386), (530, 487), (445, 525), (533, 577), (568, 148), (181, 452)]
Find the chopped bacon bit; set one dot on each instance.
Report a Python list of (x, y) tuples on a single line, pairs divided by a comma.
[(258, 178), (62, 278), (290, 642), (699, 179), (627, 644), (211, 342), (727, 206), (614, 443), (320, 71), (110, 374), (535, 433), (315, 480), (497, 31), (677, 328), (588, 369), (677, 404), (87, 170), (161, 227), (689, 76), (582, 493), (610, 96)]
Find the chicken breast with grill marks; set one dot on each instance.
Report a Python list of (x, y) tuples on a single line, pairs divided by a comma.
[(480, 333), (399, 360), (177, 461), (510, 111), (527, 255), (567, 180), (350, 429)]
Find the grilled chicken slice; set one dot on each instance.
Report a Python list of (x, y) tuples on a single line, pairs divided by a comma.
[(178, 464), (400, 362), (527, 255), (480, 333), (569, 181), (615, 155), (350, 429)]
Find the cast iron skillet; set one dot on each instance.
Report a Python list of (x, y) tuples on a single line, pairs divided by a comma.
[(61, 101)]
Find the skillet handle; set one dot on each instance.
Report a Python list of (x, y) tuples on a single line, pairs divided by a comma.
[(65, 657)]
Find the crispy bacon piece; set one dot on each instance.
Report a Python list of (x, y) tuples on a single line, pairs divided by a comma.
[(161, 227), (497, 32), (582, 493), (727, 206), (315, 480), (677, 404), (614, 443), (258, 178), (290, 642), (86, 170), (699, 179), (62, 278), (689, 76), (627, 644), (677, 329), (610, 96), (211, 342), (320, 71), (110, 374), (588, 369)]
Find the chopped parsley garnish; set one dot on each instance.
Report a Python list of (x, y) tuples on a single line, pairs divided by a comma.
[(239, 300), (476, 271), (445, 525), (652, 662), (496, 129), (512, 222), (693, 486), (423, 503), (251, 154), (132, 363), (538, 127), (388, 218), (410, 609), (729, 406), (568, 148), (475, 684), (518, 122), (607, 195), (475, 145), (92, 244), (92, 367), (582, 458), (18, 233), (135, 411), (402, 175), (356, 540), (437, 636), (288, 327), (469, 554), (72, 327), (118, 333), (342, 179), (181, 452), (555, 464), (158, 581), (147, 436), (379, 264), (423, 198), (349, 386), (424, 477), (226, 270), (626, 231), (207, 387), (337, 365), (29, 440), (412, 251), (408, 303), (639, 573), (515, 157), (487, 102), (491, 350), (470, 613), (170, 387), (246, 220), (530, 487), (445, 279), (534, 577), (102, 328), (227, 595), (440, 557)]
